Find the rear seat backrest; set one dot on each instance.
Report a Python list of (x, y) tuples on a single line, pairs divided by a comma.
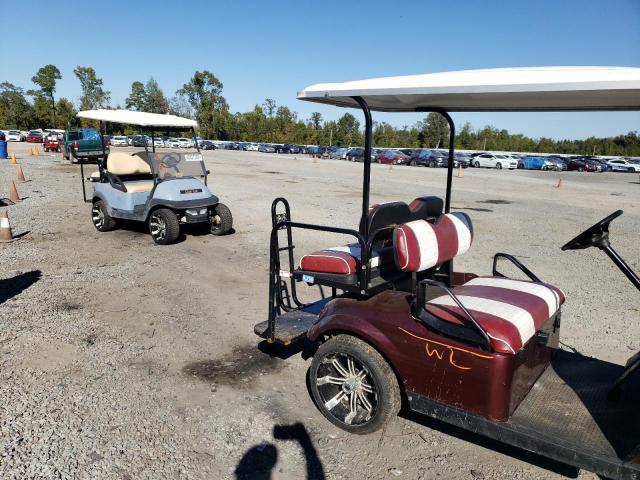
[(396, 213), (420, 245), (124, 164)]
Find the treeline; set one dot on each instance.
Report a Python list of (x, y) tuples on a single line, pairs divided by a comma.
[(201, 98)]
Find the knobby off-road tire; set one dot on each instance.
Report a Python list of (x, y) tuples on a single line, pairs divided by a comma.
[(221, 220), (101, 218), (164, 226), (353, 385)]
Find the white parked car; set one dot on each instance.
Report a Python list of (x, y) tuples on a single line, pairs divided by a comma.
[(15, 136), (172, 143), (621, 165), (494, 160), (119, 141), (158, 142), (185, 143)]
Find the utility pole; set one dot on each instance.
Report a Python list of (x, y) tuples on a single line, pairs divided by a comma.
[(331, 136)]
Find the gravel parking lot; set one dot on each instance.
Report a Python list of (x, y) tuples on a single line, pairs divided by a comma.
[(120, 359)]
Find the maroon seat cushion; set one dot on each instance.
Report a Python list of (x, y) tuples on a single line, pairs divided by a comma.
[(343, 260), (510, 311)]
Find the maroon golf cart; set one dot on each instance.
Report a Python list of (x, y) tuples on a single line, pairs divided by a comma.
[(478, 351)]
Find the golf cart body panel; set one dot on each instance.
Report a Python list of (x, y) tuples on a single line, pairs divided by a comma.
[(137, 205), (480, 356)]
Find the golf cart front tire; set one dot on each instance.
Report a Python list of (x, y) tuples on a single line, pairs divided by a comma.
[(380, 378), (221, 220), (164, 226), (101, 218)]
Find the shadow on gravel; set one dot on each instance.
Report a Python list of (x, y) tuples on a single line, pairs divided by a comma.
[(495, 202), (259, 461), (490, 444), (10, 287), (236, 369), (474, 209)]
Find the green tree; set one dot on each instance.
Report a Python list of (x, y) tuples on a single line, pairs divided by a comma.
[(179, 105), (155, 101), (348, 131), (41, 109), (15, 110), (269, 106), (66, 114), (137, 99), (434, 132), (46, 78), (204, 93), (93, 93)]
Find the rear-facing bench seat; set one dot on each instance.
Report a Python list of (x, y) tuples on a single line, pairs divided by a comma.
[(344, 260), (343, 263), (510, 311)]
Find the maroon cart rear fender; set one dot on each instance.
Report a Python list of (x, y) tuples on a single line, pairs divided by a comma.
[(356, 326)]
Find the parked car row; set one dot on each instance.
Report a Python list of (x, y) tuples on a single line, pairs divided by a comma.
[(434, 158)]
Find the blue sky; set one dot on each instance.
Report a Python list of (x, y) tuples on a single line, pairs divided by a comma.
[(274, 48)]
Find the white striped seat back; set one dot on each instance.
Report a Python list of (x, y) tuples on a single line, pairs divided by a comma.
[(420, 245)]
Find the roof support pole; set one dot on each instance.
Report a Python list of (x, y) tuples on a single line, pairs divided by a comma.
[(452, 141), (366, 181)]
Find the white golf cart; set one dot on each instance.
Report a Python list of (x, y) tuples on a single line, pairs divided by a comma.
[(164, 189)]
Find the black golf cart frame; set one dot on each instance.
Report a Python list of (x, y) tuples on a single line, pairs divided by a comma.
[(151, 130), (285, 299)]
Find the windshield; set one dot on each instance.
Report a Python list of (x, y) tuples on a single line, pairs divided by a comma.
[(177, 165)]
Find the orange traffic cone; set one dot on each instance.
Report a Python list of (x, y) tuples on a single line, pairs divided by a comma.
[(13, 192), (13, 159), (5, 228), (559, 183), (20, 176)]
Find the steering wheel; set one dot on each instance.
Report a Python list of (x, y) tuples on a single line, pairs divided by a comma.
[(170, 160), (595, 236)]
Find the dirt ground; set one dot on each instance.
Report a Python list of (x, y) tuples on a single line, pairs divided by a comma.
[(120, 359)]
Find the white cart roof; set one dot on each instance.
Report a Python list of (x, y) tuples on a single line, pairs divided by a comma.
[(496, 89), (142, 119)]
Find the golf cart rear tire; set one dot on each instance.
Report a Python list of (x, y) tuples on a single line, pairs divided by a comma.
[(172, 226), (226, 220), (379, 373), (108, 223)]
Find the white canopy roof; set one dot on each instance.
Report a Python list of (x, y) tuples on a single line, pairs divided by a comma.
[(496, 89), (143, 119)]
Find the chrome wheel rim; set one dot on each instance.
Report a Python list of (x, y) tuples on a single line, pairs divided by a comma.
[(97, 215), (346, 389), (157, 227)]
